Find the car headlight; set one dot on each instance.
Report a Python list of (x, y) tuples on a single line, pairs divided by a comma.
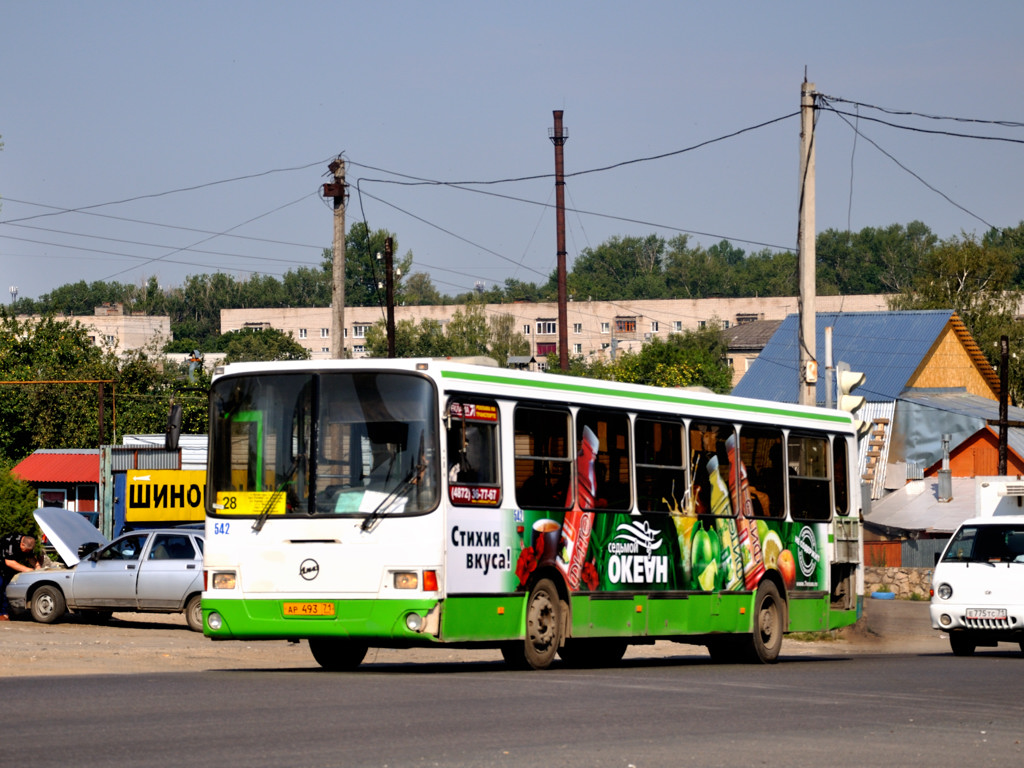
[(944, 591)]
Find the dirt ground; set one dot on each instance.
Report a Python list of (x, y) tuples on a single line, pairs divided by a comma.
[(135, 643)]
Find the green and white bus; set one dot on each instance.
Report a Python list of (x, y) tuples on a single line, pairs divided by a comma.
[(405, 503)]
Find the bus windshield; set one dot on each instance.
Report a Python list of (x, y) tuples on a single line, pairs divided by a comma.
[(353, 443)]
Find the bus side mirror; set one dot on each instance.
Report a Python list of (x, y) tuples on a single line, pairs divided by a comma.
[(173, 428)]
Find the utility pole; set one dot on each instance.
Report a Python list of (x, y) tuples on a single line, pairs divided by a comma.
[(389, 292), (808, 368), (1004, 400), (559, 136), (337, 191)]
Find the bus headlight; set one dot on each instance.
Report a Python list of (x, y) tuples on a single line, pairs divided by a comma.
[(944, 591), (406, 580), (214, 621), (224, 580), (414, 622)]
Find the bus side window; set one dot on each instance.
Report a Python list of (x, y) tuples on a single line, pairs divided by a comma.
[(761, 456), (611, 465), (660, 470), (710, 468), (542, 457), (810, 497)]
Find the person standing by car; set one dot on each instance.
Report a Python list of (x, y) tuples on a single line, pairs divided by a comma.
[(16, 556)]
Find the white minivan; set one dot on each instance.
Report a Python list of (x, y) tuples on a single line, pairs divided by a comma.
[(978, 584)]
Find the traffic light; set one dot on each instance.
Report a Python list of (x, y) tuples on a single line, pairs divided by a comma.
[(846, 382)]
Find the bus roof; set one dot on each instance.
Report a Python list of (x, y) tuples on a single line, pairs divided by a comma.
[(454, 376)]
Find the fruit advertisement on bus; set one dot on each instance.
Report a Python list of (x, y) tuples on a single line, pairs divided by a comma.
[(500, 550)]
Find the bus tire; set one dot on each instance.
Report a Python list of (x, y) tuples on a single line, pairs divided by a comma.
[(769, 624), (336, 654), (543, 627), (962, 644), (586, 652)]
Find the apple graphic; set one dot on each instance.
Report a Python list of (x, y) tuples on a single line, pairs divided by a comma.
[(787, 568)]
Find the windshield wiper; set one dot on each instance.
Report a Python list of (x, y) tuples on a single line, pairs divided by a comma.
[(257, 524), (411, 479)]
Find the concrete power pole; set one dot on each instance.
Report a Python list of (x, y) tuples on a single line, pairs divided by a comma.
[(337, 191), (558, 137), (808, 368)]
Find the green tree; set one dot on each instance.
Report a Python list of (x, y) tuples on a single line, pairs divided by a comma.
[(50, 415), (693, 358), (696, 273), (418, 290), (620, 268), (17, 502), (261, 344), (427, 339), (364, 273), (467, 331), (505, 340), (977, 282)]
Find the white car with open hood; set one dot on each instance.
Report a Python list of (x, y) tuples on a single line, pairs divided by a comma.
[(158, 570)]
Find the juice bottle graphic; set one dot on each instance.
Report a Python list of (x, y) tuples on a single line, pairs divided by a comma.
[(732, 562), (579, 521), (750, 544)]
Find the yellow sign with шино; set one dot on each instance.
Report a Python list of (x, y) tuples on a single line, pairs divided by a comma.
[(165, 495)]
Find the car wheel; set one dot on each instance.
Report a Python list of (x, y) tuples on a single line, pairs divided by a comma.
[(194, 613), (48, 604), (337, 654), (962, 644)]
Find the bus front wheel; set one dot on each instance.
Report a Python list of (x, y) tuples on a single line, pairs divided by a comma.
[(337, 654), (543, 629)]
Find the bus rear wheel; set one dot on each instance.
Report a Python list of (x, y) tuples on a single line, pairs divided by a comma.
[(543, 630), (769, 624), (337, 654)]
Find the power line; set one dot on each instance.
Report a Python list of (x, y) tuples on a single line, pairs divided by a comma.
[(192, 188), (934, 189), (890, 111)]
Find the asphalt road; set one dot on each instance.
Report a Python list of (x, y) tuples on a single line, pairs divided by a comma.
[(134, 643), (144, 690), (810, 710)]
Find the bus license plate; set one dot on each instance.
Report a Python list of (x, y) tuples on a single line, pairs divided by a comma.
[(309, 609), (986, 613)]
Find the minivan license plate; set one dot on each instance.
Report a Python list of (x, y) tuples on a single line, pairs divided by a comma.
[(986, 613)]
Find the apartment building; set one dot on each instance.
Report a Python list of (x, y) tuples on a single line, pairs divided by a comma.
[(592, 326), (111, 327)]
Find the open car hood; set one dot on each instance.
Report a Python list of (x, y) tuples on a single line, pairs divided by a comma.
[(67, 530)]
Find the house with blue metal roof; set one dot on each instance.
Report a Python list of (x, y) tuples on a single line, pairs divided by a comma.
[(925, 376)]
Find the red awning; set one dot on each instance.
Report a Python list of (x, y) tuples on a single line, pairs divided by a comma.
[(50, 467)]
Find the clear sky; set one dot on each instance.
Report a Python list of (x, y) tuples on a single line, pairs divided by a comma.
[(119, 117)]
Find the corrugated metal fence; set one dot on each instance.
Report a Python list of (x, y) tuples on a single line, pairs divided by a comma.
[(920, 553)]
